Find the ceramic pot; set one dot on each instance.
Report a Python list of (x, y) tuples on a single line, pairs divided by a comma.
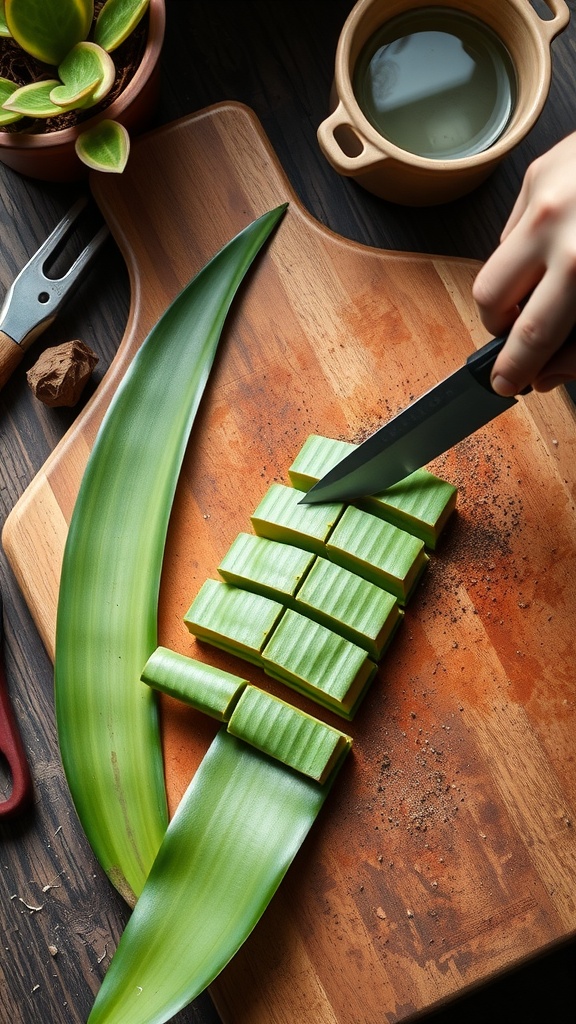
[(357, 150), (51, 156)]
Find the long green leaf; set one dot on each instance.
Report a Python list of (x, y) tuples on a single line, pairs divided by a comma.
[(107, 611), (230, 843)]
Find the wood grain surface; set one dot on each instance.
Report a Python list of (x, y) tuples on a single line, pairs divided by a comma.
[(447, 851), (59, 917)]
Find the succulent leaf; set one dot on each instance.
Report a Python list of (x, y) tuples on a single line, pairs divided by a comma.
[(7, 89), (4, 30), (105, 147), (87, 74), (117, 19), (48, 29), (33, 100)]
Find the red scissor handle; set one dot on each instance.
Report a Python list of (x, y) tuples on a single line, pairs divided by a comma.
[(13, 750)]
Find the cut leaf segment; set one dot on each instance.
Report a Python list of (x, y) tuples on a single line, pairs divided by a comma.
[(318, 663), (265, 566), (205, 687), (105, 147), (235, 620), (378, 551), (350, 605), (279, 516), (421, 504), (287, 734)]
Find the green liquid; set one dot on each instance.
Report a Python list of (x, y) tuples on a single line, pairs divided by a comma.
[(437, 83)]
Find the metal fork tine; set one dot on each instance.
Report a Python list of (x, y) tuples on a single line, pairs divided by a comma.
[(57, 235), (54, 243), (34, 299), (81, 262)]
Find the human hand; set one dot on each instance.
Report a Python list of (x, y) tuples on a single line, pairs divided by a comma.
[(535, 264)]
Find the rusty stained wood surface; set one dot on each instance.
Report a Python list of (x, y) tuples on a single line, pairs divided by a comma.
[(446, 852)]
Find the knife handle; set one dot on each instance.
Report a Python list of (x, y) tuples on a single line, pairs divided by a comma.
[(10, 355), (481, 362)]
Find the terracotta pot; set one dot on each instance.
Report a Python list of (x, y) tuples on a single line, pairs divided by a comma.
[(357, 150), (51, 156)]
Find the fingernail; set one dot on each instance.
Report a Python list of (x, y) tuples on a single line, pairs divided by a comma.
[(503, 387)]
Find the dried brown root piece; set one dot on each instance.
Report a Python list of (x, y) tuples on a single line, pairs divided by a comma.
[(61, 373)]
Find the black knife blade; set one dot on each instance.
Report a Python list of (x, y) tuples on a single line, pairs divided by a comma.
[(428, 427)]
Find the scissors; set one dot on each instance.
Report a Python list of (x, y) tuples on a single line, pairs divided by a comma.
[(11, 746)]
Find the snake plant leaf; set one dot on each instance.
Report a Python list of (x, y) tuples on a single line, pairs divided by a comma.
[(116, 21), (233, 837), (106, 626), (48, 29), (105, 147)]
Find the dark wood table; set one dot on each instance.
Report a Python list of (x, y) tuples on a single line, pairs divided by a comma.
[(59, 917)]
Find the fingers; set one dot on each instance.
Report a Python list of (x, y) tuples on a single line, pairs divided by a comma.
[(531, 354), (519, 208), (559, 370), (528, 286), (503, 283)]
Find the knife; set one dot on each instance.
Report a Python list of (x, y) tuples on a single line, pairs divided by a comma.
[(428, 427)]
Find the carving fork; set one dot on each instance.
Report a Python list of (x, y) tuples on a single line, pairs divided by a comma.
[(34, 299)]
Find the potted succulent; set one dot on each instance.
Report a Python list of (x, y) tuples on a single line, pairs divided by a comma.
[(77, 76)]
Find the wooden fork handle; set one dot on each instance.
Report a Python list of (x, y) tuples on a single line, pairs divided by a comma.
[(10, 355)]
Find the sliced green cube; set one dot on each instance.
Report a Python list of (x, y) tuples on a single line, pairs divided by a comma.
[(289, 735), (265, 566), (204, 687), (316, 457), (318, 663), (235, 620), (421, 503), (378, 551), (280, 517), (350, 605)]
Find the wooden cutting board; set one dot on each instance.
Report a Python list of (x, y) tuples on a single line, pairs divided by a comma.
[(447, 849)]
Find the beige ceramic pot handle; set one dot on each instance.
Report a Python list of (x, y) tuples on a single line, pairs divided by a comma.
[(344, 146), (552, 27)]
